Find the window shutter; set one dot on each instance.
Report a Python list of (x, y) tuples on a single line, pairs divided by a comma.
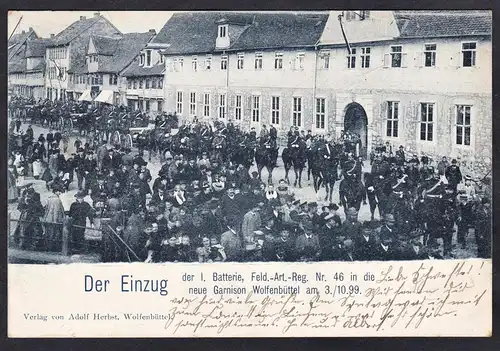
[(383, 111), (418, 59), (249, 102), (455, 60), (387, 60), (404, 59)]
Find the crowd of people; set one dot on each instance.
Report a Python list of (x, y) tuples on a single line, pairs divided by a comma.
[(204, 210)]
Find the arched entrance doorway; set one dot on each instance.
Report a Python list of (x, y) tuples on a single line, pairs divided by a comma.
[(356, 122)]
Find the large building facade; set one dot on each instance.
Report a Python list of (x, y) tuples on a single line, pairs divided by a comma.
[(67, 54), (105, 60), (420, 79), (144, 82), (247, 67)]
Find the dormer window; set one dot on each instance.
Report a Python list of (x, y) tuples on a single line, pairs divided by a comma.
[(223, 31), (222, 40), (162, 58), (356, 15), (148, 58), (141, 59)]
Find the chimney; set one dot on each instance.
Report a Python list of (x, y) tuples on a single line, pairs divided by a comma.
[(152, 31), (82, 18), (52, 35), (23, 32), (96, 14), (31, 29)]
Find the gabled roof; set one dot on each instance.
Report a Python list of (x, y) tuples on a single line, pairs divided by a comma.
[(77, 28), (429, 24), (196, 32), (105, 45), (127, 48), (134, 70), (37, 47), (22, 37)]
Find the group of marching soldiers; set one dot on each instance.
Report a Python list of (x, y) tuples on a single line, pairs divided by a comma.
[(201, 209)]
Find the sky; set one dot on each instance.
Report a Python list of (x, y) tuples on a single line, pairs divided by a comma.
[(52, 22)]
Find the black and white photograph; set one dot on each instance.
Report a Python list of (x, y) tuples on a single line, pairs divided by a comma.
[(225, 137)]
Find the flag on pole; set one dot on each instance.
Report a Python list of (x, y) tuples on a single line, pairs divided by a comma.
[(343, 34)]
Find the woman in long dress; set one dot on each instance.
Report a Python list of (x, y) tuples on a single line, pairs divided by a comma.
[(37, 168), (12, 191), (53, 220), (29, 230)]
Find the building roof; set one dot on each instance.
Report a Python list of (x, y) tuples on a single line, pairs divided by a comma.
[(105, 45), (77, 28), (22, 36), (429, 24), (17, 66), (127, 48), (134, 70), (37, 47), (196, 32)]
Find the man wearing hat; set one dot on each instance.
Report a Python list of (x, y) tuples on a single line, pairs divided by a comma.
[(191, 171), (453, 175), (386, 250), (466, 196), (231, 207), (99, 191), (175, 168), (388, 228), (442, 166), (351, 228), (89, 170), (327, 234), (159, 196), (251, 222), (365, 243), (312, 213), (110, 160), (483, 228), (400, 156), (79, 211), (307, 245), (101, 152), (231, 241)]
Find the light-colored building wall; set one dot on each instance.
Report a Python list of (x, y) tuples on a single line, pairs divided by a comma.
[(446, 75)]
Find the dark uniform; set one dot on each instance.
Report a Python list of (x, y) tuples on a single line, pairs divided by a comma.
[(79, 212)]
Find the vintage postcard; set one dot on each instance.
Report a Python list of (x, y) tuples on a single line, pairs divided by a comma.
[(256, 174)]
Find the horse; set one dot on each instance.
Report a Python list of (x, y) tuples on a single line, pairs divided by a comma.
[(351, 192), (242, 153), (295, 156), (266, 156)]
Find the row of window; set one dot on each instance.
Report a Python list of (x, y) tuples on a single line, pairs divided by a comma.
[(93, 79), (252, 108), (178, 62), (58, 53), (357, 57), (148, 83), (427, 122), (145, 105)]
